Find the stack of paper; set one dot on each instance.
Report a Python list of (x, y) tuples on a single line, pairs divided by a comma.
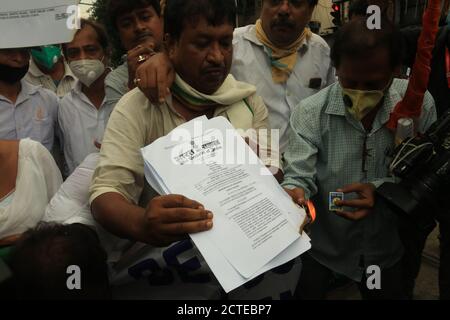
[(26, 23), (256, 224)]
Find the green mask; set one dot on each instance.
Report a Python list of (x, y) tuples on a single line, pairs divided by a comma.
[(46, 56), (361, 102)]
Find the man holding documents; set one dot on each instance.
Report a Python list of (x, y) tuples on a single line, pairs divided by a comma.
[(199, 43)]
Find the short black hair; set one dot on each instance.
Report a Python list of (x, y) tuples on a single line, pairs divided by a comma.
[(355, 39), (99, 29), (178, 12), (117, 8), (40, 260), (358, 8), (310, 2)]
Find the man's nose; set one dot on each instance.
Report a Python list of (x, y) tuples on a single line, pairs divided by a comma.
[(215, 54), (20, 57), (82, 55), (139, 25), (284, 8)]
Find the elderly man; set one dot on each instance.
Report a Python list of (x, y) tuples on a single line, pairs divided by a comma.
[(199, 43), (84, 112)]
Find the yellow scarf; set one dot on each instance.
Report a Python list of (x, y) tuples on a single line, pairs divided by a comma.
[(282, 60)]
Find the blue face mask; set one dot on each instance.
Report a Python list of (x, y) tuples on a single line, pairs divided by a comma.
[(46, 56)]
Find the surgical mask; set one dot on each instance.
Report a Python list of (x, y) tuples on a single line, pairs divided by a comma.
[(46, 56), (12, 75), (87, 70), (359, 103)]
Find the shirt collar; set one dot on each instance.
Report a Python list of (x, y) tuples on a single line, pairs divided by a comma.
[(67, 71), (250, 35), (26, 90), (76, 91), (77, 87), (36, 72)]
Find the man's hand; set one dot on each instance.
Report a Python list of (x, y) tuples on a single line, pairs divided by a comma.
[(135, 57), (297, 195), (156, 76), (170, 218), (364, 204)]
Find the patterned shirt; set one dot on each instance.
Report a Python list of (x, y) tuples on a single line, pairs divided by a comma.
[(326, 153)]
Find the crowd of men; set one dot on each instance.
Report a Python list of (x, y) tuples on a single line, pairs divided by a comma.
[(184, 59)]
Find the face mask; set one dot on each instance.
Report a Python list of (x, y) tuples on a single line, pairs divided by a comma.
[(46, 56), (12, 75), (361, 102), (87, 70)]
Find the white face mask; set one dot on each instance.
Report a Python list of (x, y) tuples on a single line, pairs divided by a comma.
[(87, 71)]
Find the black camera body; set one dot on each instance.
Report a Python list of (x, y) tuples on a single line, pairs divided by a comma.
[(423, 164)]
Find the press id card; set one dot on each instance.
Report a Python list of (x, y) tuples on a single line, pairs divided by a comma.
[(332, 198)]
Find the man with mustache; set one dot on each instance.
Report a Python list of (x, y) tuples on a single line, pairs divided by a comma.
[(140, 28), (283, 59), (340, 143), (279, 55), (199, 44)]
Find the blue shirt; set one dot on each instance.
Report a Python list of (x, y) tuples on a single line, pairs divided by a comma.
[(33, 115)]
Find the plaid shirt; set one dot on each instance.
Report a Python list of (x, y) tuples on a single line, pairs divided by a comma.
[(329, 149)]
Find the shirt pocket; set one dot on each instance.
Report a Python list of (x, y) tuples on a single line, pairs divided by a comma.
[(42, 130)]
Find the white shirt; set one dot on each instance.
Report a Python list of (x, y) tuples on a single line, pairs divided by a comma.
[(38, 179), (81, 125), (251, 64), (33, 115), (36, 77)]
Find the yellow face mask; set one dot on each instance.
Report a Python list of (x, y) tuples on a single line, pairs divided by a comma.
[(361, 102)]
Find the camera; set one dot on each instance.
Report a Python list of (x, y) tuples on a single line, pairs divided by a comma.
[(423, 165)]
